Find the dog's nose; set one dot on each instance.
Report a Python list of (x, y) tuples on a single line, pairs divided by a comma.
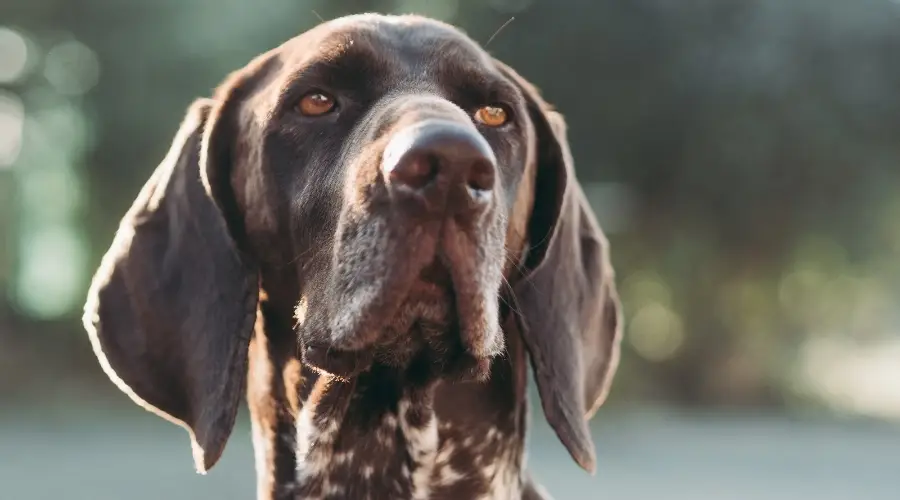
[(433, 157)]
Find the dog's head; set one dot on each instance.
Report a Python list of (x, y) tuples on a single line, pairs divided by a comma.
[(401, 189)]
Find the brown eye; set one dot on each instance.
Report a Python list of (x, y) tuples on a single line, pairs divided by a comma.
[(316, 104), (492, 116)]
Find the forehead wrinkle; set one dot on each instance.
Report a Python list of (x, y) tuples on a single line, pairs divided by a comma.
[(460, 64), (486, 82), (334, 47), (343, 61), (416, 43), (407, 47)]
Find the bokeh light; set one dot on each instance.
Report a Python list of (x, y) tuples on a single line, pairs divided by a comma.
[(656, 332), (13, 55), (12, 124), (51, 271), (854, 378), (71, 67)]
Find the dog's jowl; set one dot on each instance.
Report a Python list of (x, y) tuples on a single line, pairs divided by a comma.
[(366, 232)]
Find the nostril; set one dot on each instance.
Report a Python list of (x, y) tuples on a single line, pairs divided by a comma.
[(414, 171), (481, 175), (436, 161)]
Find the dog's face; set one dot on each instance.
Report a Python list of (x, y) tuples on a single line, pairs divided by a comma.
[(401, 193), (385, 166)]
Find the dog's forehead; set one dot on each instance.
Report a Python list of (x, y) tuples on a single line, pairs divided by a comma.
[(400, 42)]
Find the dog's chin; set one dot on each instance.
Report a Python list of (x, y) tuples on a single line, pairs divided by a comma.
[(423, 323), (428, 327), (394, 296)]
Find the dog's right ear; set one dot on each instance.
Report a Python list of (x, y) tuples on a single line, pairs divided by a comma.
[(171, 309)]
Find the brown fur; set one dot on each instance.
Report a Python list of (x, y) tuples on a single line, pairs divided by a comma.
[(381, 340)]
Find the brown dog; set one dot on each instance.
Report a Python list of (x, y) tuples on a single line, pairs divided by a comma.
[(366, 229)]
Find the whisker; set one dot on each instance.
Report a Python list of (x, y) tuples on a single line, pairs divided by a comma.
[(299, 256), (510, 304), (521, 266), (543, 240), (511, 19)]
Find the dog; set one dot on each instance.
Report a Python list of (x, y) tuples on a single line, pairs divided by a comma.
[(366, 232)]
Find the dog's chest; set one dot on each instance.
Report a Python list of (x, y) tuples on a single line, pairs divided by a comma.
[(407, 454)]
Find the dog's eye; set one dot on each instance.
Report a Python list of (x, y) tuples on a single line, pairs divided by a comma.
[(492, 116), (316, 104)]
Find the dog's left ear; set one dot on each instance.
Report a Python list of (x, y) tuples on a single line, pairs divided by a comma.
[(568, 307)]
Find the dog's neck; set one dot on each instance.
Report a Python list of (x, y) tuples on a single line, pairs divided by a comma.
[(380, 435)]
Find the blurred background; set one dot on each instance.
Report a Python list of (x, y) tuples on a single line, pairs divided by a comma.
[(743, 156)]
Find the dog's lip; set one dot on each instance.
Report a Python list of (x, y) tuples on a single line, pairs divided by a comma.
[(444, 271), (436, 273), (434, 280), (339, 363)]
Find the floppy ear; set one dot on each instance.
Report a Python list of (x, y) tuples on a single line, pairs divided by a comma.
[(567, 304), (171, 309)]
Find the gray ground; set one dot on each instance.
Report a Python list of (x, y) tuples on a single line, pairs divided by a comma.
[(122, 453)]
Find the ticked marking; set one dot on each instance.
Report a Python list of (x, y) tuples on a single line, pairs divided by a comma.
[(421, 442), (430, 465), (318, 424)]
